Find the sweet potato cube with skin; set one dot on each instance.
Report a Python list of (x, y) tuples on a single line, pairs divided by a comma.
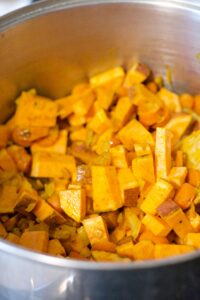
[(171, 100), (13, 238), (133, 222), (105, 188), (96, 229), (193, 239), (45, 213), (163, 152), (35, 240), (193, 217), (111, 219), (129, 187), (137, 74), (7, 203), (73, 203), (55, 248), (4, 136), (167, 207), (6, 161), (60, 145), (135, 132), (100, 122), (3, 232), (185, 195), (163, 251), (118, 157), (193, 177), (26, 201), (143, 168), (177, 176), (160, 192), (178, 126), (43, 165), (20, 157), (107, 76), (156, 225), (149, 236), (26, 135), (178, 221), (122, 112), (33, 110)]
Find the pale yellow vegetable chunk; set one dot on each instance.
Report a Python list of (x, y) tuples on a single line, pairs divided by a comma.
[(96, 229)]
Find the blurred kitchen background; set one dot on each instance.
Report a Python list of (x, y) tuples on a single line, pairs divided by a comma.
[(7, 6)]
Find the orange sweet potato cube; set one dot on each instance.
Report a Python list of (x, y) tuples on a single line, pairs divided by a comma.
[(137, 74), (143, 168), (45, 213), (122, 112), (73, 203), (26, 201), (156, 225), (55, 248), (161, 191), (13, 238), (163, 152), (118, 157), (96, 229), (162, 251), (20, 157), (7, 203), (178, 125), (43, 165), (33, 110), (177, 176), (149, 236), (35, 240), (193, 239), (193, 177), (134, 132), (105, 189), (6, 161), (3, 232), (171, 100), (100, 122), (106, 77), (185, 195)]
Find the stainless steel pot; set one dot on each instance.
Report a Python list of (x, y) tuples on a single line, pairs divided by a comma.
[(52, 45)]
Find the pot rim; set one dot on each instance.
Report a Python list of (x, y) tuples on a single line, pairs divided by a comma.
[(41, 8)]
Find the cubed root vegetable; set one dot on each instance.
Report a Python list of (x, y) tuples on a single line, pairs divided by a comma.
[(35, 240), (162, 251), (96, 229)]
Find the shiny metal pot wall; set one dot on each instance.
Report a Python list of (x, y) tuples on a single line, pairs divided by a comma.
[(51, 46)]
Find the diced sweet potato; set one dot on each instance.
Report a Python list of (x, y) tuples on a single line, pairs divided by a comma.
[(73, 203), (190, 146), (35, 240), (185, 195), (167, 207), (122, 113), (96, 229), (118, 157), (20, 157), (7, 203), (33, 110), (178, 221), (170, 99), (106, 190), (143, 250), (110, 218), (133, 222), (26, 201), (126, 249), (162, 251), (193, 177), (60, 145), (193, 239), (187, 100), (104, 246), (160, 192), (178, 126), (163, 152), (143, 168), (142, 149), (137, 74), (45, 213), (103, 143), (43, 165), (134, 132), (177, 176), (156, 225), (107, 76), (179, 159), (149, 236), (107, 256), (55, 248), (100, 122)]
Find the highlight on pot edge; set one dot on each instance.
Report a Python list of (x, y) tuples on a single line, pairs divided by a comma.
[(109, 173)]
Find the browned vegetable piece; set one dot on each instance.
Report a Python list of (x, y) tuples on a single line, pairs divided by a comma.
[(3, 232), (6, 161), (96, 229), (110, 218), (56, 248), (26, 201)]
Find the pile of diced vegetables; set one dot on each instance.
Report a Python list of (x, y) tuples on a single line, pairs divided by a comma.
[(109, 173)]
